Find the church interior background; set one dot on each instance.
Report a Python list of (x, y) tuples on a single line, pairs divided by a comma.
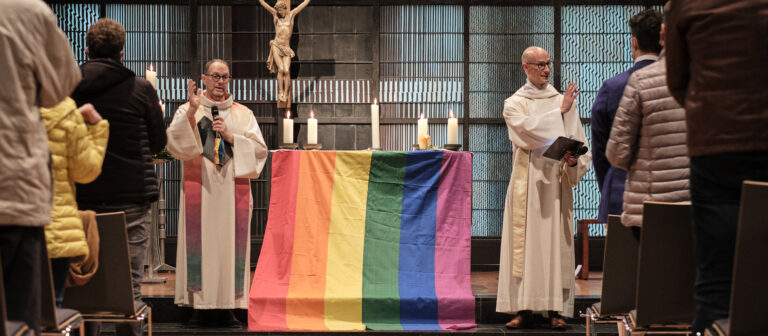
[(414, 57)]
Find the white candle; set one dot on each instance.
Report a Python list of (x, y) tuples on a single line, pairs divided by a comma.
[(423, 132), (312, 129), (423, 126), (375, 125), (151, 76), (453, 130), (288, 128)]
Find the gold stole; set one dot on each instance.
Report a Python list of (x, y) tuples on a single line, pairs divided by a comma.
[(519, 209)]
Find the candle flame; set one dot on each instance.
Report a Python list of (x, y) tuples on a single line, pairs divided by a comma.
[(151, 67), (288, 114), (375, 101), (422, 116), (451, 114), (311, 114)]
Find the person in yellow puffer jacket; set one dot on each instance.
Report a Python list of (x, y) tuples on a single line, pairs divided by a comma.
[(77, 139)]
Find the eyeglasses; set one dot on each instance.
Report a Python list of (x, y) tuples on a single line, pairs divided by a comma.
[(217, 77), (541, 66)]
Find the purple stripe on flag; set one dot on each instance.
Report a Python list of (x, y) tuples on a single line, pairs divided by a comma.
[(456, 304)]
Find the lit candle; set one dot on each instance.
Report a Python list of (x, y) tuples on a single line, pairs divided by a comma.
[(288, 128), (453, 130), (151, 76), (312, 129), (423, 132), (162, 106), (375, 125)]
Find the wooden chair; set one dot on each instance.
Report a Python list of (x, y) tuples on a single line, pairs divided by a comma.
[(666, 272), (108, 296), (619, 278), (55, 321), (748, 291), (583, 229), (10, 328)]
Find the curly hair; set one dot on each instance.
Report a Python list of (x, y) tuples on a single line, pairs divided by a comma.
[(105, 38), (646, 27), (280, 4)]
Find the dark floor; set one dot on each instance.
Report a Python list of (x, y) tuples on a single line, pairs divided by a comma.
[(169, 319), (483, 329)]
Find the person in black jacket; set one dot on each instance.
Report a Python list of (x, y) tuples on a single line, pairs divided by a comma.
[(136, 131)]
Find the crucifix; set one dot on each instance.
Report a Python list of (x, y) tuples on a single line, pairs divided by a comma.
[(280, 52)]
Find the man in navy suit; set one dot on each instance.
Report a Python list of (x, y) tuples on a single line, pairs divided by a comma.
[(645, 27)]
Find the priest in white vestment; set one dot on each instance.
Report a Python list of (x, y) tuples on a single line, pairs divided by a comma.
[(222, 148), (536, 272)]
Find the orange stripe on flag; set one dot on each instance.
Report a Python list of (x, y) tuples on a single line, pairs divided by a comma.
[(306, 292)]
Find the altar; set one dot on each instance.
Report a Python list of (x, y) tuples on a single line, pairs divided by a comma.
[(360, 239)]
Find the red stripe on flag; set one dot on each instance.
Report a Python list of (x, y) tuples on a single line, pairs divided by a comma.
[(269, 289)]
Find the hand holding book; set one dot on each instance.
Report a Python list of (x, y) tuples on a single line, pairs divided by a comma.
[(566, 148)]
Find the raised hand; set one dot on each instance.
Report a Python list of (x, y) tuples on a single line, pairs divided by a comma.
[(571, 92), (194, 99), (89, 113)]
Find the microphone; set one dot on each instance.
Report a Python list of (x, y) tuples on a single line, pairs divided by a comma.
[(214, 114)]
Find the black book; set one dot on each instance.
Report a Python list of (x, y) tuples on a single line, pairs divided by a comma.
[(562, 145)]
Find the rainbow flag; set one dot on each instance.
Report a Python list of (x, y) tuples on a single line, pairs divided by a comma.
[(356, 240)]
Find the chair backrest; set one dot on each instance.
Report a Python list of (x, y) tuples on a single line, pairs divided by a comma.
[(111, 287), (619, 268), (666, 266), (748, 290)]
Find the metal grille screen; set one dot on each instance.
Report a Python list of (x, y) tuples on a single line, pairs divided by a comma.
[(498, 36), (421, 64), (421, 70), (595, 47), (74, 20)]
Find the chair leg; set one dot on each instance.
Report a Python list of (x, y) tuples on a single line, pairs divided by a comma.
[(585, 250), (622, 329), (149, 321)]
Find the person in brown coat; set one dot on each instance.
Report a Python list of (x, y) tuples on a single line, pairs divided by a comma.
[(38, 70), (717, 62), (648, 139)]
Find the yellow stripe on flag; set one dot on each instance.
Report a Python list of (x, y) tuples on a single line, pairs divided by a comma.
[(344, 282)]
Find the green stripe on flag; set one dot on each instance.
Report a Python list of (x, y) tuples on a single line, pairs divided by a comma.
[(381, 298)]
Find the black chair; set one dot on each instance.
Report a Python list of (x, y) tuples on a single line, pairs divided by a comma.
[(619, 278), (748, 290), (666, 272), (10, 328), (55, 321), (108, 296)]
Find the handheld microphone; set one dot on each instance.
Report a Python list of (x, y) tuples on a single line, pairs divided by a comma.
[(214, 114)]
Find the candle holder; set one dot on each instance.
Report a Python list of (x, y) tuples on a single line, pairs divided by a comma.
[(289, 146), (452, 147), (312, 146), (416, 147)]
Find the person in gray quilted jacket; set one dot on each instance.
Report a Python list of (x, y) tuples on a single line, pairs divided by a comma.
[(648, 139)]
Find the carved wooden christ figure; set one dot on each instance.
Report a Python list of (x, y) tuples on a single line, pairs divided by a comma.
[(280, 52)]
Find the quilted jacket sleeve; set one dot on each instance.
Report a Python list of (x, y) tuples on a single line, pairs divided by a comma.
[(86, 145), (622, 144)]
